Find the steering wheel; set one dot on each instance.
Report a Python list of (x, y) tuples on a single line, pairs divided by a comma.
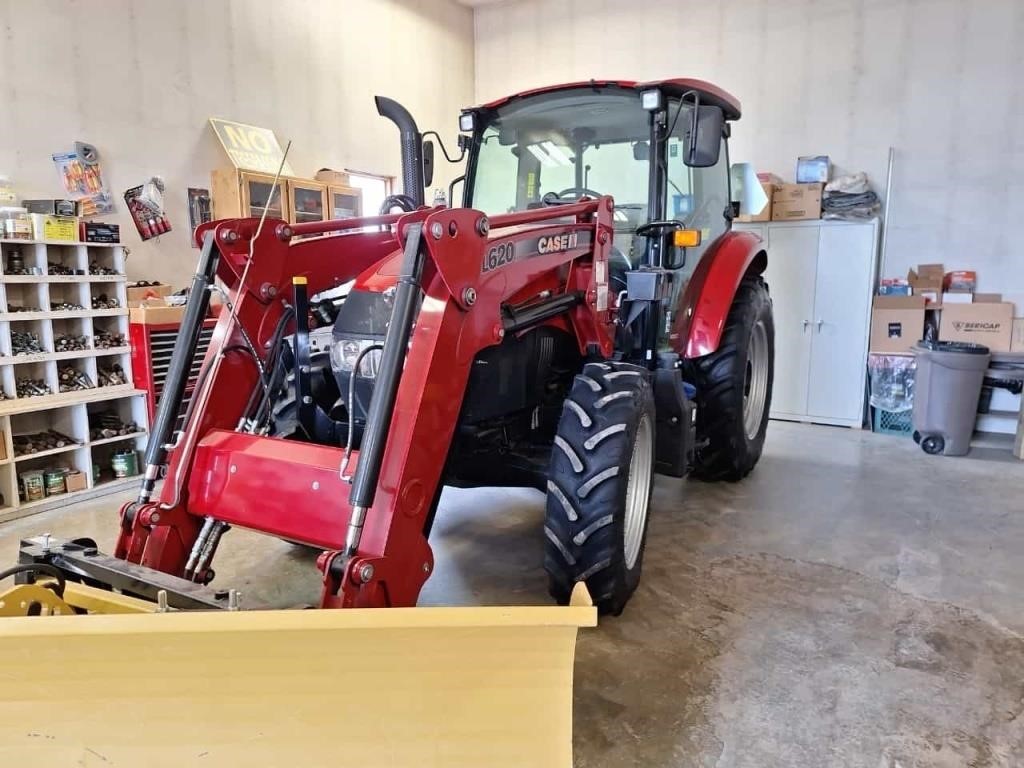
[(555, 198)]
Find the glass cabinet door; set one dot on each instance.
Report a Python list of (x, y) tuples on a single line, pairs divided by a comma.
[(307, 202), (345, 203), (258, 193)]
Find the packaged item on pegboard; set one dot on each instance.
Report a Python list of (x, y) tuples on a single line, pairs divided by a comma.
[(892, 381), (146, 205), (82, 176)]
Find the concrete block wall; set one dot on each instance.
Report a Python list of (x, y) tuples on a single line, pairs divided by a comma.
[(940, 80), (140, 78)]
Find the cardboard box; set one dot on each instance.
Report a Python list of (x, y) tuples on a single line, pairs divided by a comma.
[(897, 323), (156, 312), (988, 324), (796, 202), (1017, 335), (957, 298), (327, 176), (926, 281), (75, 481), (51, 207), (988, 298), (766, 212), (138, 294), (960, 281), (48, 227)]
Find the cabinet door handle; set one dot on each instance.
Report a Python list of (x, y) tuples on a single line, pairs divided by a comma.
[(806, 323), (819, 324)]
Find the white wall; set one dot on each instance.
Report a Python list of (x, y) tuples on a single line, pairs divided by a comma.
[(140, 78), (941, 80)]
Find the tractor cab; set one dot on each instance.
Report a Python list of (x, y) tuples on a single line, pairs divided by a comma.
[(659, 149)]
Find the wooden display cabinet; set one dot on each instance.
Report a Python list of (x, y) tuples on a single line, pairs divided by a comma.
[(307, 201), (344, 202), (243, 194)]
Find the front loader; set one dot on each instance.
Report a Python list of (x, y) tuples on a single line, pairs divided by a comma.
[(585, 319)]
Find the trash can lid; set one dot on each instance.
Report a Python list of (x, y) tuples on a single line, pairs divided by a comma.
[(963, 347)]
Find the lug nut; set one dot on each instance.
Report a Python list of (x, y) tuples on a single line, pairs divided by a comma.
[(25, 343), (28, 387), (105, 340), (73, 380), (104, 302), (112, 376), (96, 269), (67, 342)]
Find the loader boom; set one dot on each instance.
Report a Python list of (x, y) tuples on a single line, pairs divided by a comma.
[(379, 554)]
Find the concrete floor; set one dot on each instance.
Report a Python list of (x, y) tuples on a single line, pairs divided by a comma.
[(853, 603)]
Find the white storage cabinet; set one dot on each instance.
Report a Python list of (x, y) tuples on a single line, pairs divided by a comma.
[(821, 275)]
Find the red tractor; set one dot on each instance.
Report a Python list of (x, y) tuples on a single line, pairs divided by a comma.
[(585, 319)]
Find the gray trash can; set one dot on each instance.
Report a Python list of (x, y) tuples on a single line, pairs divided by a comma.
[(947, 386)]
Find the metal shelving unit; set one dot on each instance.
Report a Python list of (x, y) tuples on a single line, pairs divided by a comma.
[(25, 305)]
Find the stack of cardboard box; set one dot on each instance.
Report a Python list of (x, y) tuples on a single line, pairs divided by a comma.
[(945, 302), (787, 202)]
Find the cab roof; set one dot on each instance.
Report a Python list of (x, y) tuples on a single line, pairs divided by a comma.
[(709, 93)]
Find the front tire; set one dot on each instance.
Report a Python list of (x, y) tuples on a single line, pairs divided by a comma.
[(599, 485), (734, 387)]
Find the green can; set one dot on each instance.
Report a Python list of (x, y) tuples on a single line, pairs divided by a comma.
[(125, 463), (32, 485), (53, 481)]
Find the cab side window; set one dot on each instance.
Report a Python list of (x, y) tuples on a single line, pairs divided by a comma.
[(698, 197)]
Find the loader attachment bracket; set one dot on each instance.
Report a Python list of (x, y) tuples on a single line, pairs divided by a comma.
[(78, 560)]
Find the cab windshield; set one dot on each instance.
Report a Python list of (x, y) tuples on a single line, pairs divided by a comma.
[(558, 147)]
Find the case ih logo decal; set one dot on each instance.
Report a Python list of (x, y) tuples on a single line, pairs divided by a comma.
[(556, 243), (503, 254)]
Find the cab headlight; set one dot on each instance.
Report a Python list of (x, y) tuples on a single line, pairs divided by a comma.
[(346, 352)]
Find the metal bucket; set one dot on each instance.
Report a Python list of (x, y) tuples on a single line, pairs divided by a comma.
[(32, 485), (53, 481), (125, 464)]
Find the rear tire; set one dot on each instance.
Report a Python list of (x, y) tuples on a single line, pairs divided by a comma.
[(734, 387), (599, 485)]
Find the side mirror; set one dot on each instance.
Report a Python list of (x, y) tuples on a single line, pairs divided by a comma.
[(704, 142), (428, 163), (641, 151)]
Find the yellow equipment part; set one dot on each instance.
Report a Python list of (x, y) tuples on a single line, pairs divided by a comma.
[(396, 687)]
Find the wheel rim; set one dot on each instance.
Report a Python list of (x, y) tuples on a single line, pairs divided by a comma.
[(755, 380), (638, 488)]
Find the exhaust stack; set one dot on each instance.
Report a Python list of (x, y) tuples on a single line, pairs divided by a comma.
[(412, 146)]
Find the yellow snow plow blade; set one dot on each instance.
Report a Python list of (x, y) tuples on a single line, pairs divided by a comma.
[(382, 687)]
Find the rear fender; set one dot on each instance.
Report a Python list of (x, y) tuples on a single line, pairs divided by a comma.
[(700, 319)]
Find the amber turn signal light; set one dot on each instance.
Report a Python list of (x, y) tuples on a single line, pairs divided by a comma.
[(686, 238)]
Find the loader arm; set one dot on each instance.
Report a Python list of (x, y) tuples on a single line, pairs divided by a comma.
[(481, 278)]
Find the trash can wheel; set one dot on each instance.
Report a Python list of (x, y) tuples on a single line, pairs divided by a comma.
[(933, 444), (917, 437)]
